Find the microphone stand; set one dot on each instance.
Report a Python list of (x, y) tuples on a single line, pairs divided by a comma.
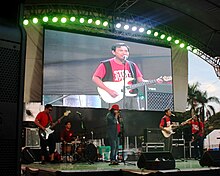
[(124, 62), (120, 120)]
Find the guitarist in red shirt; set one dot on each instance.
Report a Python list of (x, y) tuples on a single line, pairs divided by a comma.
[(42, 120), (113, 71), (166, 127)]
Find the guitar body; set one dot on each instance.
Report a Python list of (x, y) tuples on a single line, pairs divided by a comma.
[(116, 86), (170, 129), (45, 134)]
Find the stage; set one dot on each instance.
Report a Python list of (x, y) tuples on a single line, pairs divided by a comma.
[(128, 168)]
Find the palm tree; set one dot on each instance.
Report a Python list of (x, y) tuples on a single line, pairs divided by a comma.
[(192, 96), (198, 101), (203, 100)]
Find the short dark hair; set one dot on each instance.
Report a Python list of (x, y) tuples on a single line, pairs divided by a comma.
[(166, 110), (67, 122), (118, 45), (47, 106)]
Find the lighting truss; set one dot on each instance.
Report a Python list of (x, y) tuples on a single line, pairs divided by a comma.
[(119, 15)]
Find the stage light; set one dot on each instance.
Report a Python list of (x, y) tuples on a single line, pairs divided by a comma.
[(169, 39), (156, 34), (182, 45), (81, 20), (118, 25), (134, 28), (45, 19), (89, 21), (25, 22), (189, 48), (105, 23), (177, 41), (162, 36), (72, 19), (97, 22), (35, 20), (126, 27), (148, 32), (63, 20), (141, 29), (54, 19)]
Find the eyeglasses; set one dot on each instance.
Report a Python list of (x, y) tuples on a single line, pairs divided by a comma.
[(50, 110)]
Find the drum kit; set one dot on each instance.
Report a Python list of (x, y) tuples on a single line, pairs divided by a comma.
[(79, 151)]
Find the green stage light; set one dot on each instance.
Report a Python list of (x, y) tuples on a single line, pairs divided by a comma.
[(105, 23), (63, 20), (156, 34), (97, 22), (25, 22), (182, 45), (72, 19), (162, 36), (81, 20), (35, 20), (169, 39), (189, 48), (90, 21), (148, 32), (177, 41), (54, 19), (45, 19)]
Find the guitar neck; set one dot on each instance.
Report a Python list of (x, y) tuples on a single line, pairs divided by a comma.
[(55, 123), (134, 86)]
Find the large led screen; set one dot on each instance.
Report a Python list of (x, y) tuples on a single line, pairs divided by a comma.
[(70, 60)]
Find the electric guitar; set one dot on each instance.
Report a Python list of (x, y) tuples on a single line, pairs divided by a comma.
[(49, 129), (173, 127), (118, 87), (170, 130)]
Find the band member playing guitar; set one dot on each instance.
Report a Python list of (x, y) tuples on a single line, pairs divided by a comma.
[(45, 123), (166, 127), (122, 72)]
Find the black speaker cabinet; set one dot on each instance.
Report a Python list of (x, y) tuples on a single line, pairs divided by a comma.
[(12, 64), (210, 158), (156, 161)]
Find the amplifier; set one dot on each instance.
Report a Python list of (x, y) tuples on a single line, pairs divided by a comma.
[(31, 137), (178, 150), (146, 147), (153, 135)]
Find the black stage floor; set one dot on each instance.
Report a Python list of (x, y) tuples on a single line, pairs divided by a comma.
[(187, 167)]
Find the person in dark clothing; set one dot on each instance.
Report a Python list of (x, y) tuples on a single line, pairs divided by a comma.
[(113, 131)]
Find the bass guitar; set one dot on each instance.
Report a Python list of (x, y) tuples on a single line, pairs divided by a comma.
[(118, 87), (49, 129)]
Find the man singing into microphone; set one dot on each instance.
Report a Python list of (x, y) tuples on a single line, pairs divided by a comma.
[(114, 70)]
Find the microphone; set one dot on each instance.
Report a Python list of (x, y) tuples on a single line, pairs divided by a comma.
[(125, 57), (173, 115), (79, 113)]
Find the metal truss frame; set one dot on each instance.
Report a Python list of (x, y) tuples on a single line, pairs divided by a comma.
[(119, 15)]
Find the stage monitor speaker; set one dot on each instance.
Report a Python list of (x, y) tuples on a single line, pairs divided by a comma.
[(12, 65), (210, 158), (156, 161)]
